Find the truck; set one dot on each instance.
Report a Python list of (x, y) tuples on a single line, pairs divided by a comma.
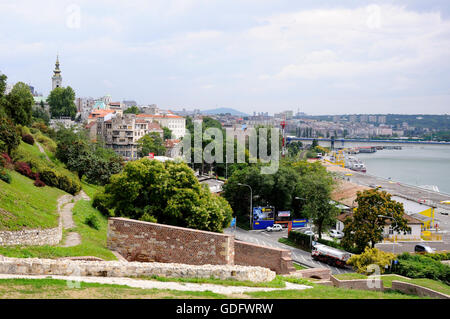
[(329, 255)]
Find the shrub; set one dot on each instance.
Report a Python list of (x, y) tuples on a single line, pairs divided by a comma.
[(27, 138), (301, 240), (24, 169), (39, 183), (422, 266), (49, 177), (4, 176), (101, 203), (5, 161), (371, 256), (92, 221)]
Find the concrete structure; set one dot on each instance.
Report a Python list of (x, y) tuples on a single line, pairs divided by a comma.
[(175, 123)]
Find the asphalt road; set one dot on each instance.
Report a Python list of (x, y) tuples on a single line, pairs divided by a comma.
[(262, 237)]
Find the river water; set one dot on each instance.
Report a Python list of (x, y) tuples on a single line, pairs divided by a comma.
[(415, 165)]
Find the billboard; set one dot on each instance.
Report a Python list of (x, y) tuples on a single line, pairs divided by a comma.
[(263, 217), (296, 223)]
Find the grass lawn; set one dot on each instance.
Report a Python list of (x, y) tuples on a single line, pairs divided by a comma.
[(278, 282), (23, 205), (387, 281), (57, 289), (326, 292), (93, 242), (299, 267), (90, 189)]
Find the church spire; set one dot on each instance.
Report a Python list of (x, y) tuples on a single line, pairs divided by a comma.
[(56, 78)]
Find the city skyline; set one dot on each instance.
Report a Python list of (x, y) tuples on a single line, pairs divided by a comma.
[(358, 57)]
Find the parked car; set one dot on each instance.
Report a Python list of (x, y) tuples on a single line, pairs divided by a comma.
[(276, 227), (444, 212), (420, 248), (336, 234), (309, 233)]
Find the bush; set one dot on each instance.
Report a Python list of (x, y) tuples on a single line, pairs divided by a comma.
[(39, 183), (27, 138), (422, 266), (301, 240), (371, 256), (100, 202), (5, 161), (49, 177), (24, 169), (92, 221), (4, 176)]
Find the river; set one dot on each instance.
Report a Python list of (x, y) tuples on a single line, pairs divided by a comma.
[(415, 165)]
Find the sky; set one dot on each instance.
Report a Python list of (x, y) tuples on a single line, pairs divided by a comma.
[(317, 57)]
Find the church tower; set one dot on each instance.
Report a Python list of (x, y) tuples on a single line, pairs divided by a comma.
[(56, 78)]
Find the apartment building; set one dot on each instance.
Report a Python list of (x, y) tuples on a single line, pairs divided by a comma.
[(175, 123)]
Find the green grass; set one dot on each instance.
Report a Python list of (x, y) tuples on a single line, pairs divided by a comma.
[(55, 288), (387, 281), (327, 292), (278, 282), (23, 205), (93, 242), (299, 267), (90, 189)]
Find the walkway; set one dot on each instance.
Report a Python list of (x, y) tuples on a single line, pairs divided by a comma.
[(73, 238), (153, 284)]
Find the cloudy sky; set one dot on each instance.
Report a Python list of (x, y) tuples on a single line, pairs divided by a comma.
[(320, 57)]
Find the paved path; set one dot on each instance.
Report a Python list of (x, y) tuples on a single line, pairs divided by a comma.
[(271, 239), (150, 284), (73, 238)]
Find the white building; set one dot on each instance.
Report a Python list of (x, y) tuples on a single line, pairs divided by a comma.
[(175, 123)]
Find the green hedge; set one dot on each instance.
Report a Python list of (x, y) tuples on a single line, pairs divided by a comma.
[(422, 266)]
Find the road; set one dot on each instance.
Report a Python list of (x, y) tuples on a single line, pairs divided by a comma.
[(270, 239)]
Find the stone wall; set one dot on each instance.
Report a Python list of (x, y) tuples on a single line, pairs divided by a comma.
[(36, 237), (413, 289), (35, 266), (278, 260), (151, 242), (360, 284), (316, 273)]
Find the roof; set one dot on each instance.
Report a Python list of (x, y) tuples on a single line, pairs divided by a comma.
[(345, 193), (96, 113), (99, 105), (410, 220), (91, 124), (154, 126), (171, 143)]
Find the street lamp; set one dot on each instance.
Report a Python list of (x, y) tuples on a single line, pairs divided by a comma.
[(395, 220), (251, 204)]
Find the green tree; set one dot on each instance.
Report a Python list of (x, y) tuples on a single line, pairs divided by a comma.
[(167, 133), (371, 256), (9, 136), (40, 114), (18, 104), (365, 227), (168, 193), (62, 102), (132, 110), (314, 188), (151, 143)]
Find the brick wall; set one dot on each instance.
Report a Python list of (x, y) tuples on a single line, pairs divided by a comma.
[(278, 260), (144, 241)]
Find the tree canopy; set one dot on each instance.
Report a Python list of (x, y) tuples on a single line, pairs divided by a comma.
[(166, 193), (18, 104), (151, 143), (132, 110), (365, 227), (62, 102), (9, 136)]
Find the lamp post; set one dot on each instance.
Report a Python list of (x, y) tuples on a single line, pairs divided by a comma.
[(251, 204), (395, 220)]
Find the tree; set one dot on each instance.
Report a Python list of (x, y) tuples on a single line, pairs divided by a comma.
[(9, 137), (151, 143), (62, 102), (40, 114), (371, 256), (365, 228), (314, 188), (168, 193), (132, 110), (3, 79), (167, 133), (314, 144), (18, 104)]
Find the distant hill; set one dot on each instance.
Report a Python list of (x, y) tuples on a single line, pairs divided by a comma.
[(224, 110)]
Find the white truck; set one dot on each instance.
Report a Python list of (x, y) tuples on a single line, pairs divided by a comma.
[(330, 255)]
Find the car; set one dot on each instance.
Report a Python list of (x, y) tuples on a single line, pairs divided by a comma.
[(309, 233), (444, 212), (421, 249), (276, 227), (336, 233)]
